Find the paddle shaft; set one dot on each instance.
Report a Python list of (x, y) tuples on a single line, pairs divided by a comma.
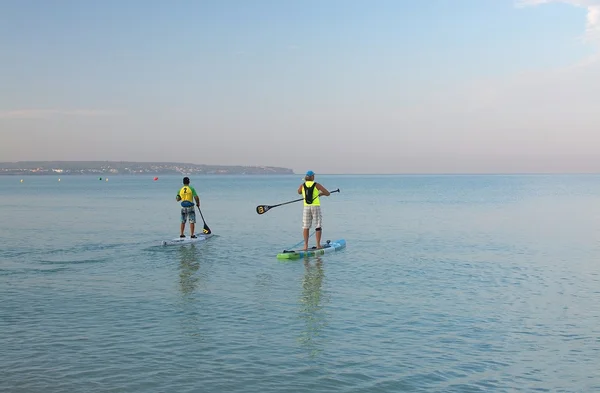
[(206, 228), (266, 208)]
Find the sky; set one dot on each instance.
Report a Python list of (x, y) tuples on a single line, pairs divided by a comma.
[(336, 86)]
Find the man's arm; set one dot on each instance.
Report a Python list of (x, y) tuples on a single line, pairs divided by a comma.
[(323, 190), (300, 189), (196, 198)]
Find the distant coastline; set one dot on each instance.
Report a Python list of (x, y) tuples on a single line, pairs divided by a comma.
[(132, 168)]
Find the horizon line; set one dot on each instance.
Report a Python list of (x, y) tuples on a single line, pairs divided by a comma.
[(321, 174)]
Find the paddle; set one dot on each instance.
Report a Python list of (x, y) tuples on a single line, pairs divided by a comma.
[(206, 229), (262, 209)]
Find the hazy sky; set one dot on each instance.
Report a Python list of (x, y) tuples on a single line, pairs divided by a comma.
[(336, 86)]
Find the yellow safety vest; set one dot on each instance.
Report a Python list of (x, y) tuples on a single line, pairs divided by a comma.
[(316, 201), (186, 194)]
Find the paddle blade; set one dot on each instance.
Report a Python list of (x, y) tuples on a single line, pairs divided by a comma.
[(206, 229), (262, 209)]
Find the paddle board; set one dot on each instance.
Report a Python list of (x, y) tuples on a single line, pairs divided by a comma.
[(186, 240), (328, 247)]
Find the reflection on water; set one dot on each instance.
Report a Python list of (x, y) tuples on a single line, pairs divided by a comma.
[(189, 281), (312, 307), (188, 266)]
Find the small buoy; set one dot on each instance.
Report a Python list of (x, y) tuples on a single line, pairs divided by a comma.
[(107, 179), (21, 180), (99, 178), (59, 179), (156, 178)]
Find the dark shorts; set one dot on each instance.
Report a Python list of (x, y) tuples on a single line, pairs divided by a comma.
[(188, 213)]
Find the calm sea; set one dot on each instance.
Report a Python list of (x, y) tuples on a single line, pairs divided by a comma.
[(447, 284)]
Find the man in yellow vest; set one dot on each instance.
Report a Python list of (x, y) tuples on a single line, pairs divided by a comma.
[(187, 195), (311, 191)]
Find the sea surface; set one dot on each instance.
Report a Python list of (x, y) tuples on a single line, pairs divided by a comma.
[(449, 283)]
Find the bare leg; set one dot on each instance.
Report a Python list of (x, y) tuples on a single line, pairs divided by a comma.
[(182, 228), (318, 238), (192, 227), (305, 233)]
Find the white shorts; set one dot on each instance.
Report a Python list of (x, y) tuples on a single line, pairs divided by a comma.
[(309, 214)]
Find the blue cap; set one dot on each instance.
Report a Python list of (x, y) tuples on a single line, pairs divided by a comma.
[(310, 173)]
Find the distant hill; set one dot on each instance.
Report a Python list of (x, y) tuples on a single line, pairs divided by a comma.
[(131, 168)]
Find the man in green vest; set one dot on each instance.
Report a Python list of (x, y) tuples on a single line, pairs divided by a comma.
[(311, 191)]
